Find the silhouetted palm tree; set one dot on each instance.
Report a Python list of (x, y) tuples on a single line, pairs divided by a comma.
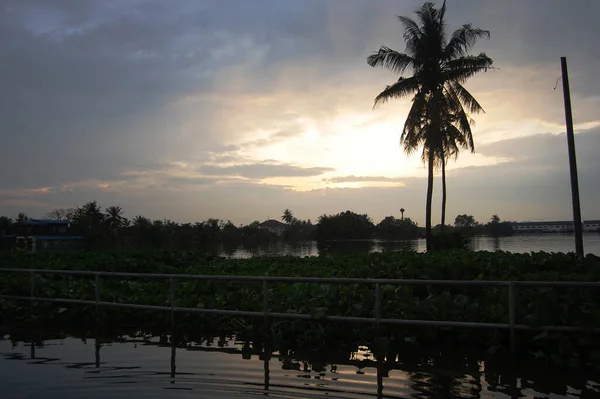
[(114, 217), (402, 212), (440, 67), (451, 139), (93, 214), (141, 221), (288, 216)]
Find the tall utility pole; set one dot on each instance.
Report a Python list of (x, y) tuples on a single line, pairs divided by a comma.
[(572, 160)]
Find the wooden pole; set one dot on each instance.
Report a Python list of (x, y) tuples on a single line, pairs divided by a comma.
[(572, 160)]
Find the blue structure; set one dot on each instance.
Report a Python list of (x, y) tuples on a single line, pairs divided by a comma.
[(46, 235)]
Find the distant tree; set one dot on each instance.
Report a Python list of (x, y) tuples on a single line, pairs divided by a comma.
[(496, 228), (91, 215), (21, 217), (288, 216), (300, 230), (5, 225), (402, 212), (400, 229), (141, 221), (114, 217), (464, 222), (344, 225), (57, 214)]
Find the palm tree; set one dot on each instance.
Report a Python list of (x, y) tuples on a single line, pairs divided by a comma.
[(114, 217), (453, 137), (440, 67), (288, 216), (141, 222), (402, 212), (93, 214), (22, 217)]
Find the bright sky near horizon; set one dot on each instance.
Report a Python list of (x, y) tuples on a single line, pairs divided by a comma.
[(239, 109)]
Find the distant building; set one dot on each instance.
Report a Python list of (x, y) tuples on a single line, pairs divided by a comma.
[(46, 235), (591, 225), (554, 227), (274, 226)]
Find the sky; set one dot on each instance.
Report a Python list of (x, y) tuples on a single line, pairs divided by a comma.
[(237, 110)]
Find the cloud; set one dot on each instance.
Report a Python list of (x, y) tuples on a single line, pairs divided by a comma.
[(263, 171), (171, 109), (367, 179)]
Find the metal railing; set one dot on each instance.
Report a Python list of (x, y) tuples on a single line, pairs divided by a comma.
[(511, 324)]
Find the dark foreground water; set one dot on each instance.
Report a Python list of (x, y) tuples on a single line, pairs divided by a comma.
[(146, 368), (517, 244)]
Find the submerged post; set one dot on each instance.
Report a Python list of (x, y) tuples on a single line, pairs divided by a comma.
[(572, 160)]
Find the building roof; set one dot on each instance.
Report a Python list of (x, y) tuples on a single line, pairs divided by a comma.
[(542, 223), (272, 223), (41, 222)]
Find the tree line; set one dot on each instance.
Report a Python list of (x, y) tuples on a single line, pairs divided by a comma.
[(109, 228)]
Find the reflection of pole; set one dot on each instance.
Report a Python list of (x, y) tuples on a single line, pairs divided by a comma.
[(572, 159), (266, 357), (173, 357), (379, 378), (97, 351), (32, 348)]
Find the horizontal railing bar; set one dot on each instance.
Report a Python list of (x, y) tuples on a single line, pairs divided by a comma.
[(302, 316), (579, 284), (321, 280)]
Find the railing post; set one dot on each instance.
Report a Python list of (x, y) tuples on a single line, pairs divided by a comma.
[(265, 306), (172, 302), (97, 295), (377, 304), (512, 316), (31, 291)]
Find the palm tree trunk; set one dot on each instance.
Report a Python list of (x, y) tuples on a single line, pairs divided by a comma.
[(428, 240), (443, 195)]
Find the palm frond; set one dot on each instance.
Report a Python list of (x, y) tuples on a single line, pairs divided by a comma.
[(463, 68), (458, 118), (401, 88), (466, 98), (463, 40), (390, 59), (412, 34), (413, 133)]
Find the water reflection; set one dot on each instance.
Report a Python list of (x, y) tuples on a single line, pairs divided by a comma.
[(220, 365), (518, 244)]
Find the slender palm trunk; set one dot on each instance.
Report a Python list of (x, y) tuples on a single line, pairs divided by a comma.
[(429, 200), (443, 195)]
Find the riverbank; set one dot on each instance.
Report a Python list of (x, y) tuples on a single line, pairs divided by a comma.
[(535, 306)]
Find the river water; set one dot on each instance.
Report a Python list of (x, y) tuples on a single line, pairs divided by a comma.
[(66, 367), (517, 243)]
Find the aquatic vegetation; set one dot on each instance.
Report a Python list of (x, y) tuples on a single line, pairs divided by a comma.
[(535, 305)]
